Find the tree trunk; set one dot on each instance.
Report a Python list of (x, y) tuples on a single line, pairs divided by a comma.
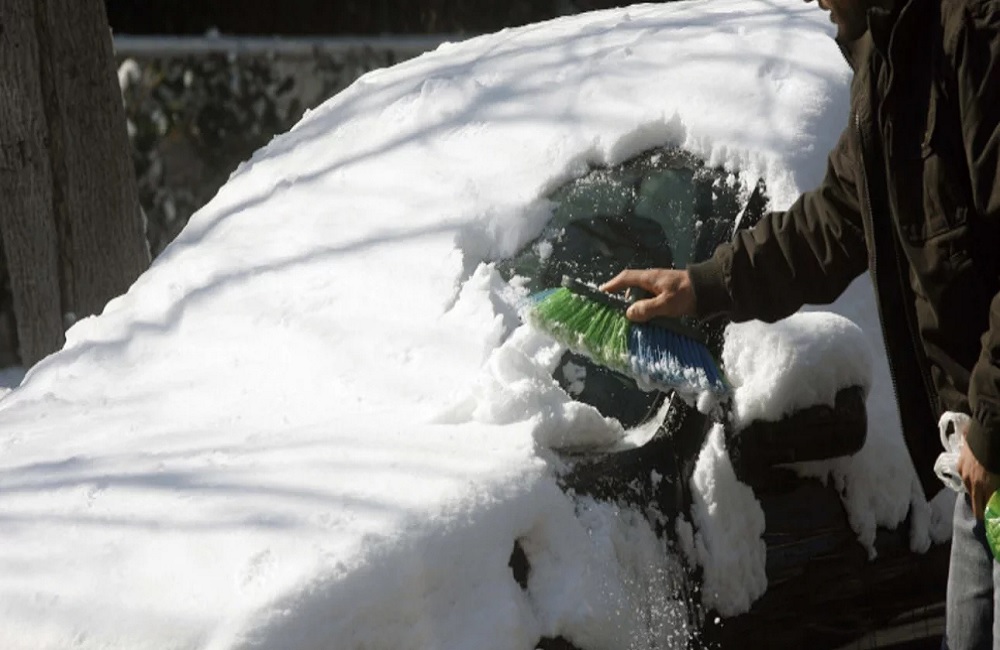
[(69, 218), (96, 202), (27, 225)]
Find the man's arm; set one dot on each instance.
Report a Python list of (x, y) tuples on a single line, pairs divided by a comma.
[(977, 66), (808, 254)]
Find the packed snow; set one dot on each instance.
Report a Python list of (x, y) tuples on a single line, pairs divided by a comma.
[(317, 421)]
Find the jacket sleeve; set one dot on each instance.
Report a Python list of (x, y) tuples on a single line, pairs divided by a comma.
[(805, 255), (977, 65)]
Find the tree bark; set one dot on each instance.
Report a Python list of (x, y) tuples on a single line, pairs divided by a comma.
[(70, 220), (96, 202), (27, 225)]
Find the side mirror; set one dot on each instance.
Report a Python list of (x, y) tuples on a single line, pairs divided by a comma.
[(818, 432)]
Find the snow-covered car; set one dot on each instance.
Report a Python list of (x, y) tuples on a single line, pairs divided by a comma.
[(319, 421), (665, 208)]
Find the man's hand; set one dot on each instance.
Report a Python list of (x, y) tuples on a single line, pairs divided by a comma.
[(979, 483), (672, 292)]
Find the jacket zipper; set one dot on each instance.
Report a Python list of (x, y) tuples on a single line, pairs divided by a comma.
[(929, 388), (874, 260)]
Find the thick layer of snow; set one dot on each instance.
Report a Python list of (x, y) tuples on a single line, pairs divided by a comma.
[(792, 364), (729, 523), (317, 422)]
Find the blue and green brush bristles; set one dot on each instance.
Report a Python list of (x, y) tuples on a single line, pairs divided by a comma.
[(662, 354)]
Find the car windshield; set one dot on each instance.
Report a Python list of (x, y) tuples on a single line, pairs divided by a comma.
[(664, 208)]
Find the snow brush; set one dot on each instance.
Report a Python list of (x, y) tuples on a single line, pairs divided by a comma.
[(661, 354)]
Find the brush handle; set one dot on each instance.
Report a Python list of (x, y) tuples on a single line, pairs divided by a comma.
[(593, 293), (675, 325)]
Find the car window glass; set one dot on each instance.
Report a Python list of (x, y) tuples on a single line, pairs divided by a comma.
[(664, 208)]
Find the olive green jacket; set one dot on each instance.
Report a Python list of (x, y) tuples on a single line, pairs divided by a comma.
[(912, 195)]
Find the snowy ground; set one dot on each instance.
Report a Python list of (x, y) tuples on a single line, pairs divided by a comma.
[(316, 421)]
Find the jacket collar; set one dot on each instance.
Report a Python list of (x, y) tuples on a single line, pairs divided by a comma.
[(857, 50), (882, 24)]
